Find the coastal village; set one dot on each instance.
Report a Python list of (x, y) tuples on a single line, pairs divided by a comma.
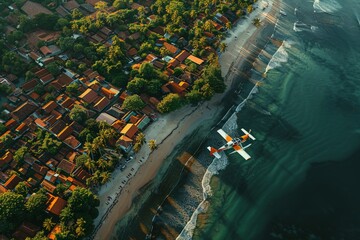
[(80, 81)]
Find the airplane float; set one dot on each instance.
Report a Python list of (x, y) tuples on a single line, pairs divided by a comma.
[(235, 143)]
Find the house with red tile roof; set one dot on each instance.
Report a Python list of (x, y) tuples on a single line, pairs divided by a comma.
[(24, 110), (71, 5), (49, 107), (89, 96), (12, 182), (46, 79), (65, 133), (109, 93), (182, 55), (45, 50), (2, 190), (101, 104), (66, 166), (10, 124), (72, 142), (75, 182), (29, 85), (195, 60), (131, 52), (48, 186), (55, 205), (174, 87), (26, 230), (129, 130), (64, 80), (40, 169), (173, 63), (5, 159), (32, 9), (125, 143), (81, 174), (171, 48), (23, 127)]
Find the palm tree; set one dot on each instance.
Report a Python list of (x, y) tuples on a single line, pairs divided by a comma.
[(98, 143), (48, 224), (107, 134), (80, 230), (105, 177), (89, 148), (228, 25), (103, 125), (152, 144), (222, 47), (137, 147), (89, 164), (94, 180), (257, 22), (102, 164), (140, 138)]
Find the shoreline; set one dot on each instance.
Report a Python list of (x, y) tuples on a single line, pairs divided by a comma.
[(173, 130)]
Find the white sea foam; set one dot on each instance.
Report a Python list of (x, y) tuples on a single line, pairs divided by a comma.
[(328, 6), (280, 56), (242, 104), (213, 169), (300, 26)]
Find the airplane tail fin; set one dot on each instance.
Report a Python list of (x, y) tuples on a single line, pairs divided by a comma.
[(213, 152)]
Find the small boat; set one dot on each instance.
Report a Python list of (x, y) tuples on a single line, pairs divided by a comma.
[(283, 13)]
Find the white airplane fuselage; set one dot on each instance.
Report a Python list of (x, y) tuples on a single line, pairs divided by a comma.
[(231, 144)]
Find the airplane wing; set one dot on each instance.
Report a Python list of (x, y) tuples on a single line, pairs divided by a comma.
[(224, 135), (246, 132), (242, 152)]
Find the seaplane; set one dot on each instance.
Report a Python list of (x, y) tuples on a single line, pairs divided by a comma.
[(233, 143)]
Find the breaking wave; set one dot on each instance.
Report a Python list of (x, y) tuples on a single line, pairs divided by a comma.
[(328, 6), (300, 26), (213, 169), (280, 56)]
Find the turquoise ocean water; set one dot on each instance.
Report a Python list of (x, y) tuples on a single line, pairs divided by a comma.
[(303, 179)]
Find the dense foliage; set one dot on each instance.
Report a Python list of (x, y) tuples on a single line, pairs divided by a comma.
[(11, 211), (81, 210), (133, 102)]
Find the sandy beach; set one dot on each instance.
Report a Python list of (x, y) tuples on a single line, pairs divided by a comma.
[(169, 130)]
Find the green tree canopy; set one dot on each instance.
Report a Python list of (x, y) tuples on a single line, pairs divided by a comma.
[(78, 114), (53, 68), (46, 21), (12, 63), (137, 85), (147, 71), (72, 88), (20, 154), (22, 188), (39, 236), (170, 103), (212, 75), (2, 128), (36, 204), (11, 211), (5, 89), (133, 102)]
